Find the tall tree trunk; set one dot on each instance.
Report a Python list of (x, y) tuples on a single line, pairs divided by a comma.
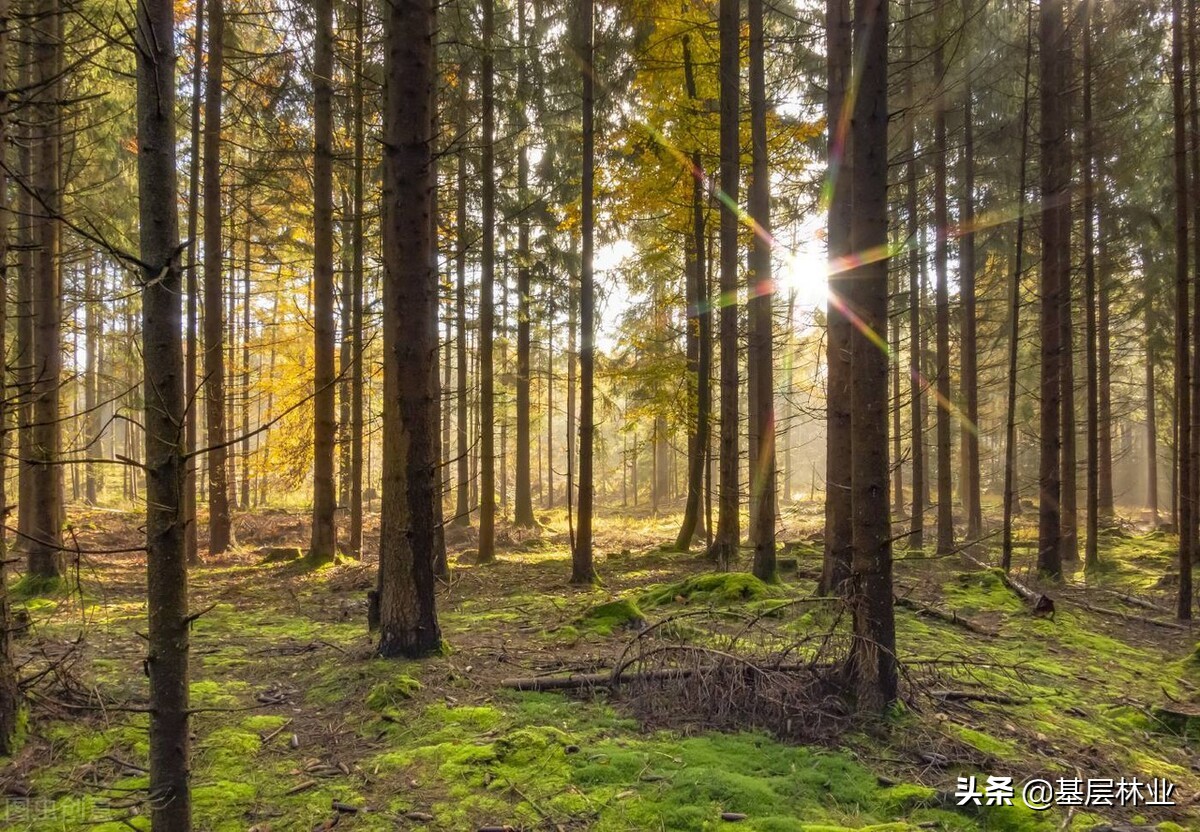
[(1104, 268), (969, 363), (487, 312), (1193, 489), (46, 520), (1014, 312), (162, 351), (762, 478), (345, 344), (839, 439), (91, 304), (1087, 162), (874, 645), (323, 544), (699, 339), (523, 510), (462, 510), (916, 539), (356, 288), (26, 263), (725, 546), (1151, 414), (1182, 343), (220, 534), (582, 570), (1055, 264), (941, 252), (191, 439), (245, 408), (407, 613)]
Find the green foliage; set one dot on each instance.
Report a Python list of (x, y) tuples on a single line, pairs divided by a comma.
[(712, 588), (386, 697), (622, 613)]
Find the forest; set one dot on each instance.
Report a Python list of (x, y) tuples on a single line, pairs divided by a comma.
[(509, 415)]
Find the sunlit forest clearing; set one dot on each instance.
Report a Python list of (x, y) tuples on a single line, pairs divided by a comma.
[(635, 415)]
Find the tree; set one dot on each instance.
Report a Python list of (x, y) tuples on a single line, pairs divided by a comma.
[(582, 569), (762, 479), (970, 345), (916, 539), (220, 530), (1087, 162), (523, 510), (1055, 265), (1182, 345), (191, 531), (941, 226), (407, 613), (45, 489), (873, 654), (323, 545), (462, 511), (487, 284), (725, 544), (162, 354), (839, 438), (358, 238)]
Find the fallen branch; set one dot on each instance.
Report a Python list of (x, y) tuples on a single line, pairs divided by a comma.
[(1128, 616), (971, 696), (950, 617), (576, 681), (1042, 603), (1138, 602)]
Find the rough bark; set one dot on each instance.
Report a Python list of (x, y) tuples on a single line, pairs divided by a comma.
[(523, 507), (191, 530), (407, 613), (487, 312), (916, 539), (356, 288), (1183, 453), (941, 251), (462, 510), (1091, 556), (969, 349)]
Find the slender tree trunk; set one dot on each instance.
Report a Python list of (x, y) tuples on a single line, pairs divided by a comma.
[(523, 510), (1193, 489), (162, 351), (582, 570), (1182, 344), (1104, 266), (1054, 267), (356, 289), (323, 544), (26, 252), (90, 371), (573, 288), (916, 539), (969, 348), (1014, 312), (220, 534), (407, 613), (1151, 415), (246, 274), (941, 251), (550, 397), (725, 546), (487, 313), (762, 479), (345, 353), (1087, 162), (839, 439), (46, 519), (191, 439), (874, 646), (462, 511), (699, 342)]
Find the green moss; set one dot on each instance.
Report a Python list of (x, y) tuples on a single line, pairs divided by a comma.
[(980, 741), (38, 586), (907, 796), (714, 588), (619, 614), (386, 697)]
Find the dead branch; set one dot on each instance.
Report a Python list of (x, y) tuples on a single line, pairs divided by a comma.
[(1042, 604), (950, 617)]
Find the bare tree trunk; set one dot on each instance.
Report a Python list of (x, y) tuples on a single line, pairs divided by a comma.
[(523, 510), (220, 534), (1151, 415), (839, 439), (46, 519), (1087, 162), (245, 484), (1055, 264), (725, 546), (941, 250), (762, 478), (582, 569), (1193, 489), (487, 313), (408, 617), (1182, 344), (874, 646), (323, 544), (191, 440), (969, 348), (162, 351), (916, 539), (26, 250), (462, 511), (91, 319), (1014, 312), (356, 303)]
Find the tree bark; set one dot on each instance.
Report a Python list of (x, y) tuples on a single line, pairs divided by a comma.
[(1182, 344), (162, 351), (487, 312), (582, 569), (523, 508), (1091, 556), (970, 358), (356, 288), (462, 511), (941, 249), (916, 539), (191, 440), (408, 617)]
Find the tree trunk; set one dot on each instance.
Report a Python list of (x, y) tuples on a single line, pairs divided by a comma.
[(1193, 489), (839, 440), (1014, 312), (245, 408), (916, 539), (487, 312), (582, 570), (408, 618), (462, 510), (220, 534), (523, 510), (26, 249), (762, 478), (322, 546), (874, 646), (1151, 415), (969, 348), (1055, 264), (941, 251), (1182, 344), (191, 440), (162, 351), (1087, 162), (356, 303)]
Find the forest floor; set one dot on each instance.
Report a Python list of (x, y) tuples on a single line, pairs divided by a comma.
[(299, 727)]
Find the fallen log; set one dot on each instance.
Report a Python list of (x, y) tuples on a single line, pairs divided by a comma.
[(1138, 602), (972, 696), (1128, 616), (1042, 603), (577, 681), (950, 617)]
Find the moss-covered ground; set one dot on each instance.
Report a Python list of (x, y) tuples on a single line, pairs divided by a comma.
[(299, 727)]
